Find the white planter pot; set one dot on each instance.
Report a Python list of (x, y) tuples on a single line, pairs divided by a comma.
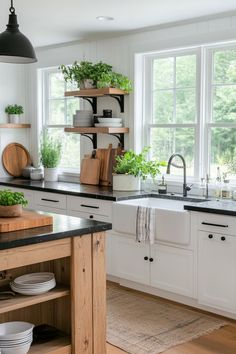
[(51, 174), (87, 84), (126, 183), (14, 118)]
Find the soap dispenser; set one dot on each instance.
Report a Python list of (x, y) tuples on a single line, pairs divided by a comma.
[(162, 186)]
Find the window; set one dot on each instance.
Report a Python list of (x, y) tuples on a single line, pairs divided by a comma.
[(58, 114), (222, 122), (190, 108)]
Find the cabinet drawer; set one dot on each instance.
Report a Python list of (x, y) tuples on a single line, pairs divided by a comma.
[(90, 205), (80, 214), (29, 194), (53, 200), (217, 223)]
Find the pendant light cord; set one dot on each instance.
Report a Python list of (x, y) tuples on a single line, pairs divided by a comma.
[(12, 9)]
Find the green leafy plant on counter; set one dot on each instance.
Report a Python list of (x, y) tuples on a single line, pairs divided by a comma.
[(8, 198), (14, 109), (137, 164), (100, 73), (50, 151)]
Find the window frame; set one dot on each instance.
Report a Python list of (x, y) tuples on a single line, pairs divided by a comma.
[(204, 101), (67, 171), (148, 102)]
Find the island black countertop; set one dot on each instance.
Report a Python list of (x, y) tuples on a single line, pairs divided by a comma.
[(76, 189), (224, 207), (63, 227)]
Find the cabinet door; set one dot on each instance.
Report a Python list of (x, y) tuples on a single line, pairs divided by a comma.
[(130, 260), (217, 270), (172, 269)]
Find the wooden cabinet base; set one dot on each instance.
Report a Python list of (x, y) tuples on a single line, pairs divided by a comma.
[(77, 307)]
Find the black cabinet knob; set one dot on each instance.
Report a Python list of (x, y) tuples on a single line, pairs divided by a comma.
[(210, 236), (151, 259), (146, 258), (223, 238), (90, 216)]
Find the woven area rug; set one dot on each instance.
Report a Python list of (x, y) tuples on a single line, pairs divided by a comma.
[(143, 325)]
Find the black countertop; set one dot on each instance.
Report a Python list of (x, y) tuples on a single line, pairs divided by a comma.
[(225, 207), (76, 189), (63, 227)]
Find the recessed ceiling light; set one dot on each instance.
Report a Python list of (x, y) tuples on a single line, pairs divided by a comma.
[(104, 18)]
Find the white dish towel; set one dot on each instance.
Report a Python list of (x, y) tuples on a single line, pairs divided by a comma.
[(145, 225)]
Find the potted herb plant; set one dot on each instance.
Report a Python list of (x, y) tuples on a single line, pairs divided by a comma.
[(99, 75), (131, 168), (14, 112), (11, 203), (50, 155)]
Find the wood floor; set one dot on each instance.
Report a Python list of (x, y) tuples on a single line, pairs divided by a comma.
[(222, 341)]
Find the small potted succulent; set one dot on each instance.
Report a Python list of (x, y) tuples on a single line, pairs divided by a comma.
[(130, 168), (11, 203), (99, 75), (14, 112), (50, 155)]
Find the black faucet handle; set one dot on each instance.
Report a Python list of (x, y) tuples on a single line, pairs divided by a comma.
[(188, 188)]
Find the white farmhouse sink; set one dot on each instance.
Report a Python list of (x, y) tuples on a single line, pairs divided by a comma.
[(172, 221)]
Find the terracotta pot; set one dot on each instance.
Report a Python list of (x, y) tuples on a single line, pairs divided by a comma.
[(10, 211)]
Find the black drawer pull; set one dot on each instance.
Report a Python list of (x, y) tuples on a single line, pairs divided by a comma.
[(146, 258), (223, 238), (218, 225), (50, 200), (89, 206), (151, 259), (210, 236), (90, 216)]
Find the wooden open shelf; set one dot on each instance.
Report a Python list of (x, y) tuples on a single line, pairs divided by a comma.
[(61, 345), (95, 130), (21, 301), (95, 92), (85, 131), (18, 126)]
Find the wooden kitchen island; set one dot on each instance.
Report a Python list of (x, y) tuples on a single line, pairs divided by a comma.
[(73, 249)]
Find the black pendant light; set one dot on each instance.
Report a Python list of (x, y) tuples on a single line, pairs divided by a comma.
[(14, 46)]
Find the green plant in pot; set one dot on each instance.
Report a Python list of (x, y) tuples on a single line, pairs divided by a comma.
[(11, 203), (100, 75), (50, 156), (14, 112), (131, 168)]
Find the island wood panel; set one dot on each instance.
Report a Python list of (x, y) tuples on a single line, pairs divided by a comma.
[(27, 255), (81, 295), (99, 294)]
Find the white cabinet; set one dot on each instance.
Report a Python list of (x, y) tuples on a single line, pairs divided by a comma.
[(130, 260), (217, 270), (51, 202), (89, 208), (163, 267), (172, 269)]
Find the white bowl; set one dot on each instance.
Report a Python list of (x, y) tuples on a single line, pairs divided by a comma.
[(111, 125), (18, 349), (15, 330), (109, 120), (36, 176)]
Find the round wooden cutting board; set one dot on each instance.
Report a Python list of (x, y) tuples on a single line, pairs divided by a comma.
[(15, 157)]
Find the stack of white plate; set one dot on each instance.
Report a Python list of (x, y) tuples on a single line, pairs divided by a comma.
[(109, 122), (34, 283), (15, 337), (82, 118)]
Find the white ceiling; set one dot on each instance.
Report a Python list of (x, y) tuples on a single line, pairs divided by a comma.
[(48, 22)]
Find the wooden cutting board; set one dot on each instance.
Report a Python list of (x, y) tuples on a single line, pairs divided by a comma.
[(107, 157), (15, 157), (28, 220), (90, 170)]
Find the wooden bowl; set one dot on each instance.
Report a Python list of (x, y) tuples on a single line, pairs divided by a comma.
[(10, 211)]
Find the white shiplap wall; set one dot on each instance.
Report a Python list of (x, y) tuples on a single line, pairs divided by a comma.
[(120, 52), (13, 90)]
